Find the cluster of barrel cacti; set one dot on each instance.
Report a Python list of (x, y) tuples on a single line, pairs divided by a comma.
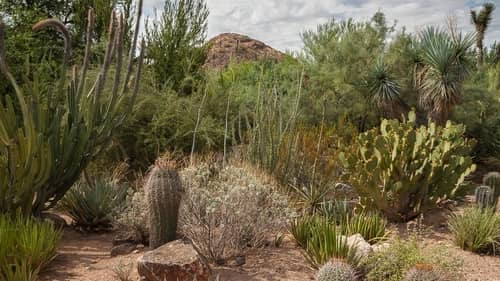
[(45, 143), (487, 194), (163, 195), (402, 169), (336, 270)]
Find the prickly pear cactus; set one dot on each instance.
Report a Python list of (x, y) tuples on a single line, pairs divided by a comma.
[(484, 197), (164, 193), (492, 179), (336, 271), (421, 273)]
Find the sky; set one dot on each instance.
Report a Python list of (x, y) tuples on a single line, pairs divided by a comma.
[(279, 23)]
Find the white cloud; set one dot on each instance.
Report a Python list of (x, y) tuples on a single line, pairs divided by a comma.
[(280, 22)]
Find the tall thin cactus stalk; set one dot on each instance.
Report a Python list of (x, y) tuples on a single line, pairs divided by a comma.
[(46, 144)]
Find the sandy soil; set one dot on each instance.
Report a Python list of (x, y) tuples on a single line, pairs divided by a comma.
[(86, 258)]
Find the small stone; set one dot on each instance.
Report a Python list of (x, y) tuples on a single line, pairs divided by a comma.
[(174, 261), (140, 246), (363, 248), (122, 249), (240, 260)]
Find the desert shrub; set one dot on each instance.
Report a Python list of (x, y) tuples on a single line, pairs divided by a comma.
[(403, 171), (134, 216), (476, 230), (92, 205), (370, 225), (393, 262), (336, 270), (422, 273), (26, 246), (322, 240), (226, 210)]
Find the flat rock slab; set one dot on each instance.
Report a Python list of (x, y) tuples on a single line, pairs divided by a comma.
[(174, 261)]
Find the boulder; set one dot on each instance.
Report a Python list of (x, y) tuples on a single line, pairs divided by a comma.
[(174, 261), (363, 248)]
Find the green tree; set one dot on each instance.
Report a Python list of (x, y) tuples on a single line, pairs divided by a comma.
[(175, 42), (481, 21)]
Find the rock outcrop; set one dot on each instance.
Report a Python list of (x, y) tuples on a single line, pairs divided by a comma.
[(174, 261), (228, 47)]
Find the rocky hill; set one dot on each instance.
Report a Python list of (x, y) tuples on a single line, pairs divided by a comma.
[(228, 47)]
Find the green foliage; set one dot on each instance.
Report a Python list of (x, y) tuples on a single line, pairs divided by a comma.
[(47, 143), (337, 211), (371, 226), (403, 171), (392, 263), (92, 206), (336, 271), (476, 230), (478, 111), (322, 241), (26, 246), (484, 197), (337, 54), (175, 42), (163, 194)]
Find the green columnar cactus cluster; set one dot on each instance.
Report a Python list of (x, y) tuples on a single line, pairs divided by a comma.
[(45, 143), (484, 197), (336, 271), (492, 179), (163, 193), (422, 274), (403, 170)]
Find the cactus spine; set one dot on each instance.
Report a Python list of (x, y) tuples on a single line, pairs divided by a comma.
[(164, 193), (492, 179), (422, 273), (484, 197), (336, 271)]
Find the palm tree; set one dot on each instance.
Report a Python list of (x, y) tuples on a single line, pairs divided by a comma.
[(443, 65), (481, 21)]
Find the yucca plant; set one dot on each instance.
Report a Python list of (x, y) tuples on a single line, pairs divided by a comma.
[(338, 211), (26, 246), (46, 143), (371, 226), (476, 230), (92, 205)]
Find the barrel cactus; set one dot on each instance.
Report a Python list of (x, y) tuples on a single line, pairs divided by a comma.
[(492, 179), (336, 270), (422, 273), (164, 193), (484, 197)]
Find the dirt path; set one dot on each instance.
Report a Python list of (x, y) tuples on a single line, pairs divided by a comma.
[(86, 258)]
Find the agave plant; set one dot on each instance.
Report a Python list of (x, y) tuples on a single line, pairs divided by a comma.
[(46, 143), (92, 206)]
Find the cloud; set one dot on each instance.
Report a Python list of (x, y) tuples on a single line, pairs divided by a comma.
[(279, 23)]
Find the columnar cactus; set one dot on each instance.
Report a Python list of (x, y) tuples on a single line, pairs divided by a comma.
[(336, 271), (163, 193), (492, 179), (422, 273), (47, 138), (484, 197)]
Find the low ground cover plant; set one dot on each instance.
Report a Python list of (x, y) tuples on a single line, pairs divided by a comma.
[(26, 247)]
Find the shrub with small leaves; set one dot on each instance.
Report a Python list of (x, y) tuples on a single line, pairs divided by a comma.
[(134, 216), (422, 272), (336, 271), (227, 210)]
